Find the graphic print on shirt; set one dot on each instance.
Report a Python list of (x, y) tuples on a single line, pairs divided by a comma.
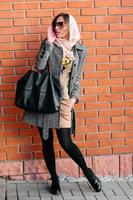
[(65, 63)]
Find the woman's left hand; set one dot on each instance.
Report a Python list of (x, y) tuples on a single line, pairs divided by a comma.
[(73, 101)]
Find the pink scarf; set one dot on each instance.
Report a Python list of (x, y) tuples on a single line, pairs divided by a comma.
[(73, 38)]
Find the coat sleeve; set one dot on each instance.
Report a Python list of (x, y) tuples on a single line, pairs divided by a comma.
[(43, 55), (76, 89)]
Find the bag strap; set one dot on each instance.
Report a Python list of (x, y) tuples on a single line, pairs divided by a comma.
[(49, 66)]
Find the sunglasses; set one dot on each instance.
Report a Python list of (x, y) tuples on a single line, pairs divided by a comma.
[(59, 24)]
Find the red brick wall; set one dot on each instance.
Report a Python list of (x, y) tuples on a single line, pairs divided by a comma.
[(104, 114)]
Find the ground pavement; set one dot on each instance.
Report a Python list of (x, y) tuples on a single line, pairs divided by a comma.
[(70, 190)]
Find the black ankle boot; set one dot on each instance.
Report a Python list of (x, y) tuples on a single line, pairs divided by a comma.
[(93, 180), (55, 186)]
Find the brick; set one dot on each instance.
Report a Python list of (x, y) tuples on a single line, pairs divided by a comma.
[(95, 27), (26, 54), (97, 121), (97, 90), (33, 29), (110, 97), (121, 11), (97, 105), (127, 3), (11, 47), (128, 50), (26, 22), (18, 140), (121, 27), (125, 134), (108, 51), (6, 71), (55, 5), (14, 126), (106, 165), (111, 81), (84, 19), (86, 129), (11, 15), (128, 127), (111, 112), (108, 35), (9, 118), (83, 4), (10, 31), (128, 81), (13, 63), (5, 6), (124, 149), (126, 104), (111, 142), (5, 39), (114, 127), (122, 119), (98, 151), (6, 87), (96, 43), (98, 136), (8, 102), (108, 66), (34, 166), (125, 42), (25, 6), (96, 75), (4, 55), (30, 148), (108, 19), (121, 89), (128, 96), (8, 95), (128, 65), (67, 167), (120, 73), (128, 112), (84, 83), (33, 45), (125, 165), (86, 35), (26, 38), (36, 13), (108, 3), (97, 59), (74, 12), (19, 156), (86, 114), (93, 11), (6, 169), (127, 19), (129, 141), (5, 23), (127, 34), (8, 149)]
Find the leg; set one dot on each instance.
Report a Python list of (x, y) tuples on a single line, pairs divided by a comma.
[(64, 137), (49, 156), (48, 152)]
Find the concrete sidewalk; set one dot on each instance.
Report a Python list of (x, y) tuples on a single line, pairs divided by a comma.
[(70, 190)]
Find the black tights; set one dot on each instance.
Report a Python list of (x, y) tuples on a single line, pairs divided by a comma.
[(64, 137)]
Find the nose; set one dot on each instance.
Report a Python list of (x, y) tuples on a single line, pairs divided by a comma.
[(56, 27)]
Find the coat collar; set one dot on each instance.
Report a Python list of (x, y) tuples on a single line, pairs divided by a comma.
[(79, 46)]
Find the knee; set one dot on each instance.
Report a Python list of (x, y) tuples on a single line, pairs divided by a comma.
[(65, 144)]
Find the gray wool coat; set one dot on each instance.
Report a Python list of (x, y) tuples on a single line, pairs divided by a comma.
[(55, 54)]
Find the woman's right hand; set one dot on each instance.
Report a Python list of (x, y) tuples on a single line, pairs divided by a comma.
[(51, 35)]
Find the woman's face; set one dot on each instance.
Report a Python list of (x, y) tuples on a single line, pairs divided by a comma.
[(61, 28)]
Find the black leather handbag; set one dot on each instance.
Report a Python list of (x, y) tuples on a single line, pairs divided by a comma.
[(39, 91)]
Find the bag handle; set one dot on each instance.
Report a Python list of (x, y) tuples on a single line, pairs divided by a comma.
[(49, 66)]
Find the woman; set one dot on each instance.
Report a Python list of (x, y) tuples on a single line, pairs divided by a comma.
[(66, 56)]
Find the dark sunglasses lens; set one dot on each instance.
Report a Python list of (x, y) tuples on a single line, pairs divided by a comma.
[(60, 24)]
